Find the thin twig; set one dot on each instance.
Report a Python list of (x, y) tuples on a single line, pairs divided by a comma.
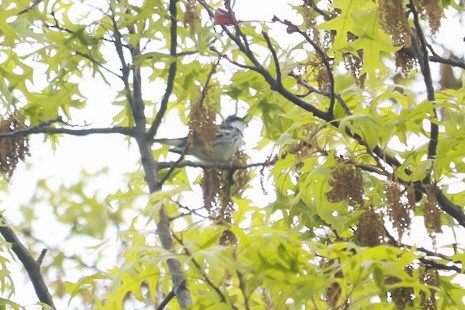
[(41, 256), (171, 72), (275, 57), (29, 8), (242, 287), (189, 212), (312, 89), (199, 268), (232, 61), (56, 249), (312, 4), (32, 266), (172, 167), (94, 61), (166, 300), (324, 59), (205, 88), (119, 50)]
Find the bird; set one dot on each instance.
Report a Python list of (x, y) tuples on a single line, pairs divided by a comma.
[(227, 141)]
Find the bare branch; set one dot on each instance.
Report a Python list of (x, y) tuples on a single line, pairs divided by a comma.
[(138, 105), (94, 61), (30, 264), (119, 50), (425, 260), (312, 5), (206, 165), (238, 64), (179, 281), (274, 85), (41, 256), (275, 57), (43, 128), (171, 72), (258, 67), (450, 208), (432, 264), (128, 131), (205, 88), (172, 167), (166, 300), (447, 61), (312, 89), (323, 58), (421, 52), (29, 8)]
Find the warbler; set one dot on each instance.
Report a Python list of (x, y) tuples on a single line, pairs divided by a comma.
[(227, 141)]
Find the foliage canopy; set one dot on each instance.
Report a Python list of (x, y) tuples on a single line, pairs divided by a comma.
[(361, 139)]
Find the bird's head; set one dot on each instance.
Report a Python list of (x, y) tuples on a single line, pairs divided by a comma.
[(234, 121)]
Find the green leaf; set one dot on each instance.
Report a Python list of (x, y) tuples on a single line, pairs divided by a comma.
[(368, 127)]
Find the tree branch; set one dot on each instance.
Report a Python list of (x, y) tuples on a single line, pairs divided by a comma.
[(94, 61), (206, 165), (201, 270), (258, 67), (171, 72), (275, 57), (177, 275), (119, 50), (242, 287), (172, 167), (324, 59), (430, 262), (144, 141), (422, 56), (447, 61), (449, 207), (45, 129), (312, 89), (137, 105), (274, 85), (438, 266), (453, 60), (31, 265), (166, 300), (128, 131)]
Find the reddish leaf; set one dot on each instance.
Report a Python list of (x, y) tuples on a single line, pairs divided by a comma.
[(224, 18)]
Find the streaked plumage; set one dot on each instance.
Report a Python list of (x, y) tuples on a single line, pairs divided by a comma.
[(226, 143)]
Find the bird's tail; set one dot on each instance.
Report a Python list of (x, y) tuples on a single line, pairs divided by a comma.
[(172, 142)]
